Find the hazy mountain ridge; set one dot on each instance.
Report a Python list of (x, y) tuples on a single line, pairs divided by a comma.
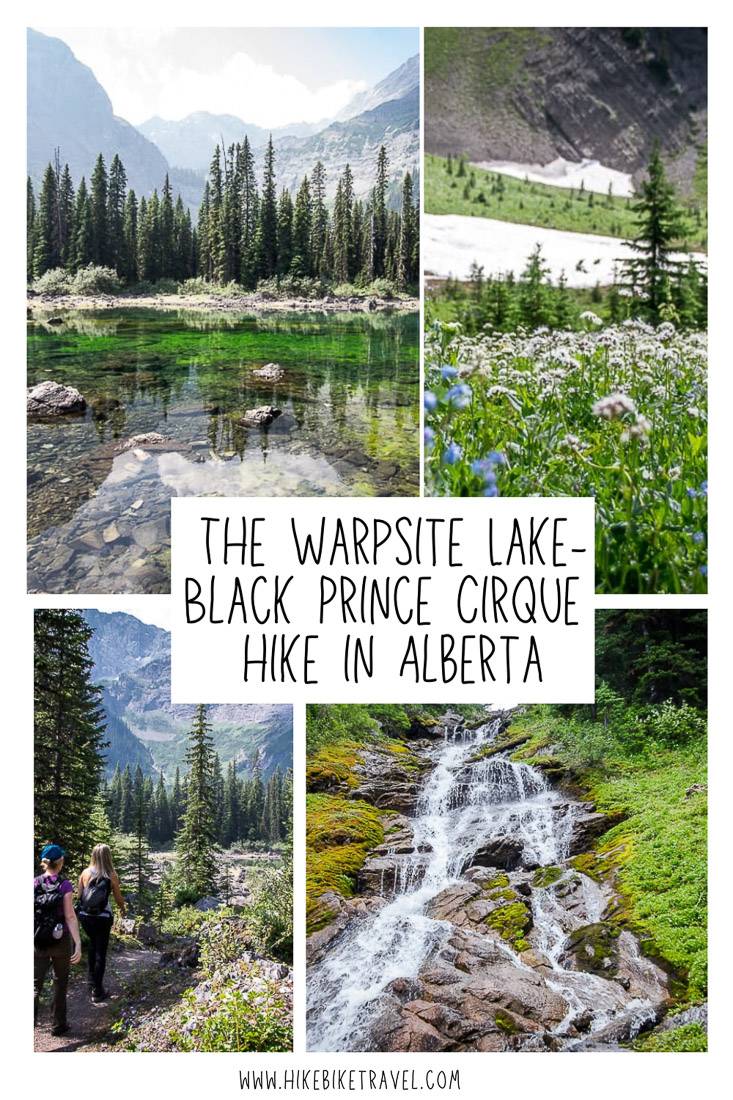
[(69, 110), (132, 664), (534, 94)]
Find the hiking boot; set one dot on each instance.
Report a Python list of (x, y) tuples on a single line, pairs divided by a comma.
[(59, 1029), (99, 995)]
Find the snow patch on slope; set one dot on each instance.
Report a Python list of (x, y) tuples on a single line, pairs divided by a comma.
[(593, 175)]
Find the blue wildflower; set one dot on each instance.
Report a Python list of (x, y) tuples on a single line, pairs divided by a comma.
[(449, 372), (703, 570), (430, 401), (459, 396), (491, 491), (704, 488), (452, 454), (692, 493), (698, 537), (429, 437)]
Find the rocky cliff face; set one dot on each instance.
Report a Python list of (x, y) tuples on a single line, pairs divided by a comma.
[(132, 662), (69, 110), (532, 95)]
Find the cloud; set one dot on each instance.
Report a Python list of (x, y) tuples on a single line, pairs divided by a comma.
[(253, 91), (144, 75)]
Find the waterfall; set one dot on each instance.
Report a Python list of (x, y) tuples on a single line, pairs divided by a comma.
[(465, 802)]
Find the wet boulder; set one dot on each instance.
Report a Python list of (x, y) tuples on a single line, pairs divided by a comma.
[(502, 852), (593, 949), (260, 417), (271, 372), (52, 399)]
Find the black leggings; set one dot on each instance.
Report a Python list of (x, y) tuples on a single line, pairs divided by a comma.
[(97, 929)]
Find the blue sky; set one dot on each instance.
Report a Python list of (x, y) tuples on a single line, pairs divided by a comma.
[(266, 76)]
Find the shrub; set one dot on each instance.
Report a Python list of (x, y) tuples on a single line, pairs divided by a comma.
[(92, 280), (223, 941), (54, 282), (292, 286), (253, 1021), (186, 921), (270, 913)]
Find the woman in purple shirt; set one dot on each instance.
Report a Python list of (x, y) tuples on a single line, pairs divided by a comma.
[(56, 940)]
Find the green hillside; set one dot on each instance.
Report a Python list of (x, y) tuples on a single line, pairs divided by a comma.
[(453, 186)]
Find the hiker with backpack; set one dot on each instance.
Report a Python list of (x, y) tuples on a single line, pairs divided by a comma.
[(56, 941), (96, 883)]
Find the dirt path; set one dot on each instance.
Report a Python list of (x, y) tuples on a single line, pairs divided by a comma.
[(90, 1022)]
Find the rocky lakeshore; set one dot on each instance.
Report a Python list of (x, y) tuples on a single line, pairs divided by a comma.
[(40, 306)]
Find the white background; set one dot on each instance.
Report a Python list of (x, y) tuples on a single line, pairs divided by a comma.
[(561, 1076)]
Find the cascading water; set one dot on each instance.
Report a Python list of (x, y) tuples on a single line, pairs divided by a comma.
[(465, 803)]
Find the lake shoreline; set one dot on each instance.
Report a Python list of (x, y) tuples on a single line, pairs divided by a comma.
[(212, 303)]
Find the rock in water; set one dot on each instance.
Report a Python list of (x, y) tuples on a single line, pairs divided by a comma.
[(146, 439), (52, 399), (271, 372), (260, 417)]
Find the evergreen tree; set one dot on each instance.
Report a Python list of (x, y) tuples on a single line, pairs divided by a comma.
[(100, 214), (284, 233), (130, 238), (65, 218), (83, 252), (47, 247), (302, 231), (138, 868), (408, 231), (250, 216), (267, 223), (126, 802), (68, 732), (379, 213), (116, 195), (319, 229), (166, 232), (659, 226), (197, 840)]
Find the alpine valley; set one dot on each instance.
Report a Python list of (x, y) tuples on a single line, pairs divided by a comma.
[(132, 665)]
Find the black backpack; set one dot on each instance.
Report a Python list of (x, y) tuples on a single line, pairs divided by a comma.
[(95, 896), (47, 897)]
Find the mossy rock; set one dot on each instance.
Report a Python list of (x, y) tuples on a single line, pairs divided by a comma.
[(686, 1039), (512, 921), (502, 744), (594, 948), (506, 1022), (546, 876), (332, 767), (340, 833)]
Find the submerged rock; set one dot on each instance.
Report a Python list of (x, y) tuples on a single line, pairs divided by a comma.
[(260, 417), (271, 372), (146, 440), (52, 399)]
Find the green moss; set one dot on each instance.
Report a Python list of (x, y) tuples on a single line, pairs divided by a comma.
[(655, 858), (333, 766), (506, 894), (511, 921), (595, 949), (498, 880), (505, 1022), (504, 743), (339, 834), (545, 876), (687, 1039), (590, 864)]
